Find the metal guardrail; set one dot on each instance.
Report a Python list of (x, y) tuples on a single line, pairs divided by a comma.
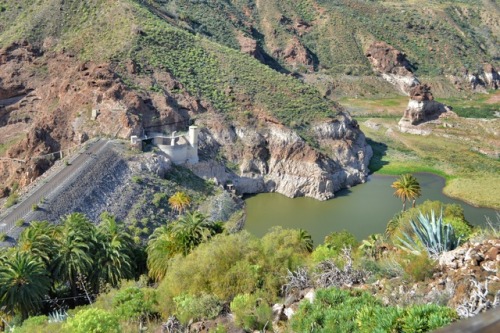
[(486, 322)]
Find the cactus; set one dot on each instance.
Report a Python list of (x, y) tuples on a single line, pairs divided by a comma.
[(435, 235)]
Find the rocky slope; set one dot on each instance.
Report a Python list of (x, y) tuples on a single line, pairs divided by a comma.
[(269, 157), (74, 101)]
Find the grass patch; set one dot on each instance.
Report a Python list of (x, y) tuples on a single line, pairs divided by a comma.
[(470, 176), (473, 106)]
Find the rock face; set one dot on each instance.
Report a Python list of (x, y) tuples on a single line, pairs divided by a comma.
[(491, 76), (479, 81), (295, 54), (392, 65), (250, 47), (273, 158), (422, 108), (51, 102)]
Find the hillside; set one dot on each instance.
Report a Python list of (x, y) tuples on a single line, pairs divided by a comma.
[(439, 37), (140, 72)]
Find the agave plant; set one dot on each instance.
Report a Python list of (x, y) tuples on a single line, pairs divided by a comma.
[(435, 235), (58, 316)]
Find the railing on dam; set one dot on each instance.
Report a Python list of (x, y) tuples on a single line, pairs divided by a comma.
[(486, 322)]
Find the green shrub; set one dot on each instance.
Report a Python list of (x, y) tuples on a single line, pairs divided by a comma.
[(323, 252), (346, 311), (424, 318), (137, 179), (462, 228), (32, 323), (340, 239), (197, 308), (93, 321), (20, 223), (35, 207), (134, 303), (418, 267), (12, 199), (251, 312), (3, 236)]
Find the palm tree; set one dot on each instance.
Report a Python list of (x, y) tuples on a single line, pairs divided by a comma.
[(305, 240), (24, 282), (40, 239), (74, 256), (393, 225), (407, 188), (113, 257), (192, 229), (179, 202), (161, 247)]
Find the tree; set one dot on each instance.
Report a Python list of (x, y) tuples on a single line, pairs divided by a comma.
[(74, 256), (24, 282), (407, 188), (113, 252), (192, 229), (161, 247), (40, 239), (179, 202), (305, 240)]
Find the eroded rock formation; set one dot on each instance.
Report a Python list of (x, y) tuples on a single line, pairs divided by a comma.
[(249, 46), (392, 65), (273, 158), (422, 108)]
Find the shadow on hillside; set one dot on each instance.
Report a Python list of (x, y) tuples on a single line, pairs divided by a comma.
[(268, 59), (379, 151)]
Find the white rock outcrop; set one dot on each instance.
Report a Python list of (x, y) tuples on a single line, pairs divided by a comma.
[(274, 158)]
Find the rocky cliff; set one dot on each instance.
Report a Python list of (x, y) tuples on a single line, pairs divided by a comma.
[(272, 158), (392, 65)]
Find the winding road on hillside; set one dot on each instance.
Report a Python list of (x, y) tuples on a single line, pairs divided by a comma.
[(24, 209)]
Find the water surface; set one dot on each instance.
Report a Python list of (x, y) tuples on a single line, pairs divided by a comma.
[(363, 210)]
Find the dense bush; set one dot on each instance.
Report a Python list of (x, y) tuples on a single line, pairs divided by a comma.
[(418, 267), (200, 307), (234, 264), (93, 320), (251, 312), (335, 310)]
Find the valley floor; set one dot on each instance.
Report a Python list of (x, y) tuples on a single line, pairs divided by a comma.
[(463, 150)]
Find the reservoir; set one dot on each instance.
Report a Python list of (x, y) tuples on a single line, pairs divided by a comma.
[(362, 210)]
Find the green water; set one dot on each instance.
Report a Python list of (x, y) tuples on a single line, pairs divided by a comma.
[(363, 210)]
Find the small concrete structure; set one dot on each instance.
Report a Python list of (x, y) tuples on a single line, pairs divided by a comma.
[(180, 148), (95, 113)]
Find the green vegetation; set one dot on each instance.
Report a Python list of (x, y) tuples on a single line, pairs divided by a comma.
[(12, 199), (434, 235), (337, 33), (407, 188), (251, 312), (357, 311), (206, 271), (93, 320), (449, 152)]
